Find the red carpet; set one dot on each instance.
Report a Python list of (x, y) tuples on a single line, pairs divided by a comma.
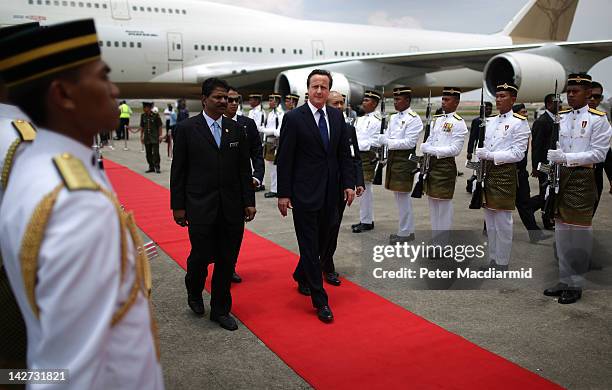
[(373, 343)]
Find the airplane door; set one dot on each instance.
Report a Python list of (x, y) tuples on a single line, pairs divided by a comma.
[(175, 47), (120, 9), (318, 50)]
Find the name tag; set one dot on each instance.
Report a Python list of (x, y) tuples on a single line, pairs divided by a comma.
[(233, 144)]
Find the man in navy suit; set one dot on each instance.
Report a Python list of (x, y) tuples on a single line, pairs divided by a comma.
[(211, 192), (255, 147), (314, 165)]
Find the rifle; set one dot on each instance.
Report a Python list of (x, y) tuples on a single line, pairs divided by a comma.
[(423, 161), (479, 166), (381, 159), (552, 169)]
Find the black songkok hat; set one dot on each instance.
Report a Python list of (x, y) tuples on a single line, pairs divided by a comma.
[(6, 32), (510, 87), (451, 91), (274, 95), (37, 53), (255, 96), (402, 91), (371, 94), (292, 97), (579, 79)]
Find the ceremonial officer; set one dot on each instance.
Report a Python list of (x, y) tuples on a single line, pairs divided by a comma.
[(584, 139), (444, 143), (151, 136), (401, 138), (271, 133), (16, 134), (257, 112), (506, 141), (368, 130), (291, 101), (72, 255)]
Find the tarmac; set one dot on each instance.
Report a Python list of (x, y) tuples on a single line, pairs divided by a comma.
[(568, 344)]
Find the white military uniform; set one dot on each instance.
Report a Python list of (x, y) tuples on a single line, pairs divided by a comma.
[(259, 116), (584, 137), (506, 138), (80, 280), (367, 128), (445, 140), (403, 134), (269, 131), (8, 135)]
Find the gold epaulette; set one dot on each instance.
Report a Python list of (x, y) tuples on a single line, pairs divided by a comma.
[(412, 114), (25, 129), (516, 115), (73, 173), (456, 116), (596, 112), (564, 111)]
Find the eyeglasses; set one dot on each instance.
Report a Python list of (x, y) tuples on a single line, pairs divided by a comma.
[(596, 96), (233, 100)]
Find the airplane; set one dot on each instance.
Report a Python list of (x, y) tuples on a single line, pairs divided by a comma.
[(161, 49)]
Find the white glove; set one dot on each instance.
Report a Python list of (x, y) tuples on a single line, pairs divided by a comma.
[(383, 139), (483, 154), (426, 148), (556, 156)]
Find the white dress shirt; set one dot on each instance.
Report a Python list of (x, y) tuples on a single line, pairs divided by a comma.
[(584, 136), (447, 135), (404, 129), (256, 114), (506, 138), (270, 128), (79, 285), (368, 130)]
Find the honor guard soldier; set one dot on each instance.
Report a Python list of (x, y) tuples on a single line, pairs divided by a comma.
[(72, 254), (401, 139), (584, 139), (291, 101), (505, 144), (151, 136), (16, 134), (368, 130), (444, 143), (271, 132), (257, 112)]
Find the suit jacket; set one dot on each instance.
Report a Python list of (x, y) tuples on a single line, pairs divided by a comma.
[(206, 179), (307, 173), (255, 147), (541, 134)]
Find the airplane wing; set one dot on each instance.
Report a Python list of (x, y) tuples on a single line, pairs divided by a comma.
[(245, 75)]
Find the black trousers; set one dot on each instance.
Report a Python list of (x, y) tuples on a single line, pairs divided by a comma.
[(122, 128), (327, 258), (312, 229), (217, 243), (523, 202), (152, 155), (608, 165)]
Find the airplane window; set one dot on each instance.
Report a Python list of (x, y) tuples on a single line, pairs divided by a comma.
[(260, 49), (148, 9), (294, 51), (156, 9), (104, 6), (195, 47), (139, 44), (241, 49), (123, 44), (254, 51), (216, 48), (235, 48), (248, 49), (88, 5), (72, 3), (202, 47), (178, 46), (141, 9), (48, 2), (133, 8), (108, 44), (64, 3), (177, 11), (131, 44), (184, 12), (30, 1), (272, 50), (169, 10), (39, 2), (209, 47), (283, 51), (80, 4), (116, 44), (163, 10), (222, 48)]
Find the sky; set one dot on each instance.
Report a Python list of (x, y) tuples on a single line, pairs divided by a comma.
[(591, 21)]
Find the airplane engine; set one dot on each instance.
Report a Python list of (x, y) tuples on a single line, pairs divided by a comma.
[(534, 74), (294, 81)]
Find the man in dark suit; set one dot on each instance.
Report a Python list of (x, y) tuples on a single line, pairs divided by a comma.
[(314, 165), (336, 100), (541, 133), (255, 148), (211, 192)]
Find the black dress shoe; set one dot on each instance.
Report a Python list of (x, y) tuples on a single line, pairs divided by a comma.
[(270, 195), (303, 289), (196, 305), (353, 226), (260, 188), (236, 278), (569, 296), (225, 321), (157, 170), (536, 236), (150, 170), (325, 314), (556, 290), (332, 278), (363, 227)]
